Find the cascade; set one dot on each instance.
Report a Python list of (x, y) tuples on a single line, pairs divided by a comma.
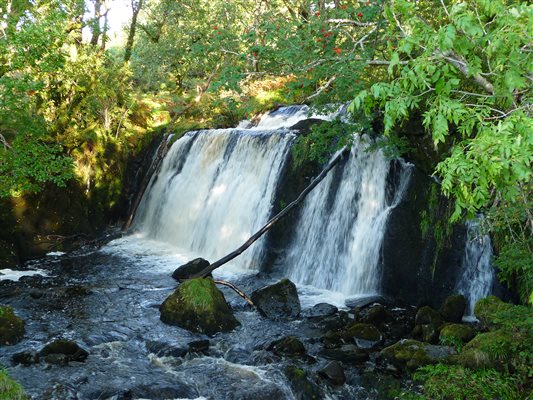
[(478, 275), (341, 228)]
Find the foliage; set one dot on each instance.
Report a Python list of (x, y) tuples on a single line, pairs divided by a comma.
[(458, 383), (10, 389)]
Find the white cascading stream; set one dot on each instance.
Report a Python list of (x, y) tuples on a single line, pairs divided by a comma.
[(477, 278), (214, 190), (338, 239)]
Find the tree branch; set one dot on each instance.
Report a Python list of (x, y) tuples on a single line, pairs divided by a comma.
[(236, 290)]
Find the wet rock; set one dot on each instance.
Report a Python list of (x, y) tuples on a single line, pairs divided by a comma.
[(376, 314), (62, 352), (453, 308), (320, 310), (77, 291), (27, 357), (347, 353), (11, 326), (289, 346), (304, 126), (456, 333), (278, 301), (334, 373), (59, 391), (197, 305), (427, 315), (302, 387), (366, 336), (162, 349), (193, 267), (336, 321), (411, 354), (363, 302), (154, 391), (199, 346)]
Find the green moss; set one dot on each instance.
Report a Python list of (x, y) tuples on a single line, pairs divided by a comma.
[(408, 353), (364, 331), (456, 334), (10, 389), (11, 326), (488, 350), (488, 309), (197, 305)]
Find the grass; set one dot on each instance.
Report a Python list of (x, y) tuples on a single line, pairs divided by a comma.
[(10, 389)]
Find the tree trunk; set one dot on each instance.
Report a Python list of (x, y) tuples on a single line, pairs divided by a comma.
[(206, 271), (129, 44)]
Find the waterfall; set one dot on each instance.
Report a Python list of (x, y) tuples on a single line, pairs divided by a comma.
[(341, 227), (478, 275), (214, 190)]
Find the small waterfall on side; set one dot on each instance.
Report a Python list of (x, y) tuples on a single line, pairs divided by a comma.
[(341, 227), (478, 273), (213, 190)]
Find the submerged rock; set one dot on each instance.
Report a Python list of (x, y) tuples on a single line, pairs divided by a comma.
[(197, 305), (11, 326), (62, 352), (411, 354), (189, 269), (334, 373), (302, 387), (27, 357), (453, 308), (278, 301)]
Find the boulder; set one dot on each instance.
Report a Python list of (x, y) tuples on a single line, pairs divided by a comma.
[(486, 310), (288, 346), (62, 352), (302, 387), (197, 305), (334, 373), (376, 314), (347, 353), (27, 357), (427, 315), (487, 350), (411, 354), (193, 267), (453, 308), (366, 336), (163, 349), (278, 301), (199, 346), (456, 334), (11, 326)]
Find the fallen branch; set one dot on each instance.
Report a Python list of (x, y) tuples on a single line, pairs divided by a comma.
[(206, 271), (236, 290)]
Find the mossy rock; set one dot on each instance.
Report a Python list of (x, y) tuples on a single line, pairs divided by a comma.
[(412, 354), (278, 301), (453, 308), (364, 335), (487, 309), (302, 387), (11, 327), (487, 350), (460, 333), (428, 316), (289, 346), (197, 305)]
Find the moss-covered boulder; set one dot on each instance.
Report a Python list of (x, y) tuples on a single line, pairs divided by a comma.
[(456, 333), (453, 308), (289, 346), (411, 354), (487, 350), (487, 310), (302, 387), (347, 353), (197, 305), (278, 301), (11, 326), (364, 335), (427, 315)]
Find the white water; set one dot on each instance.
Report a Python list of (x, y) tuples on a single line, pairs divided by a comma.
[(478, 274), (339, 236), (214, 190)]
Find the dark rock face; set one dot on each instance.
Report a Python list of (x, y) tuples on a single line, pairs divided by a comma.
[(278, 301), (63, 351), (334, 373), (197, 305), (288, 346), (453, 308), (418, 265), (11, 327), (185, 271)]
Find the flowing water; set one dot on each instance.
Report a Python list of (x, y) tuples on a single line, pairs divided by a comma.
[(478, 274)]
